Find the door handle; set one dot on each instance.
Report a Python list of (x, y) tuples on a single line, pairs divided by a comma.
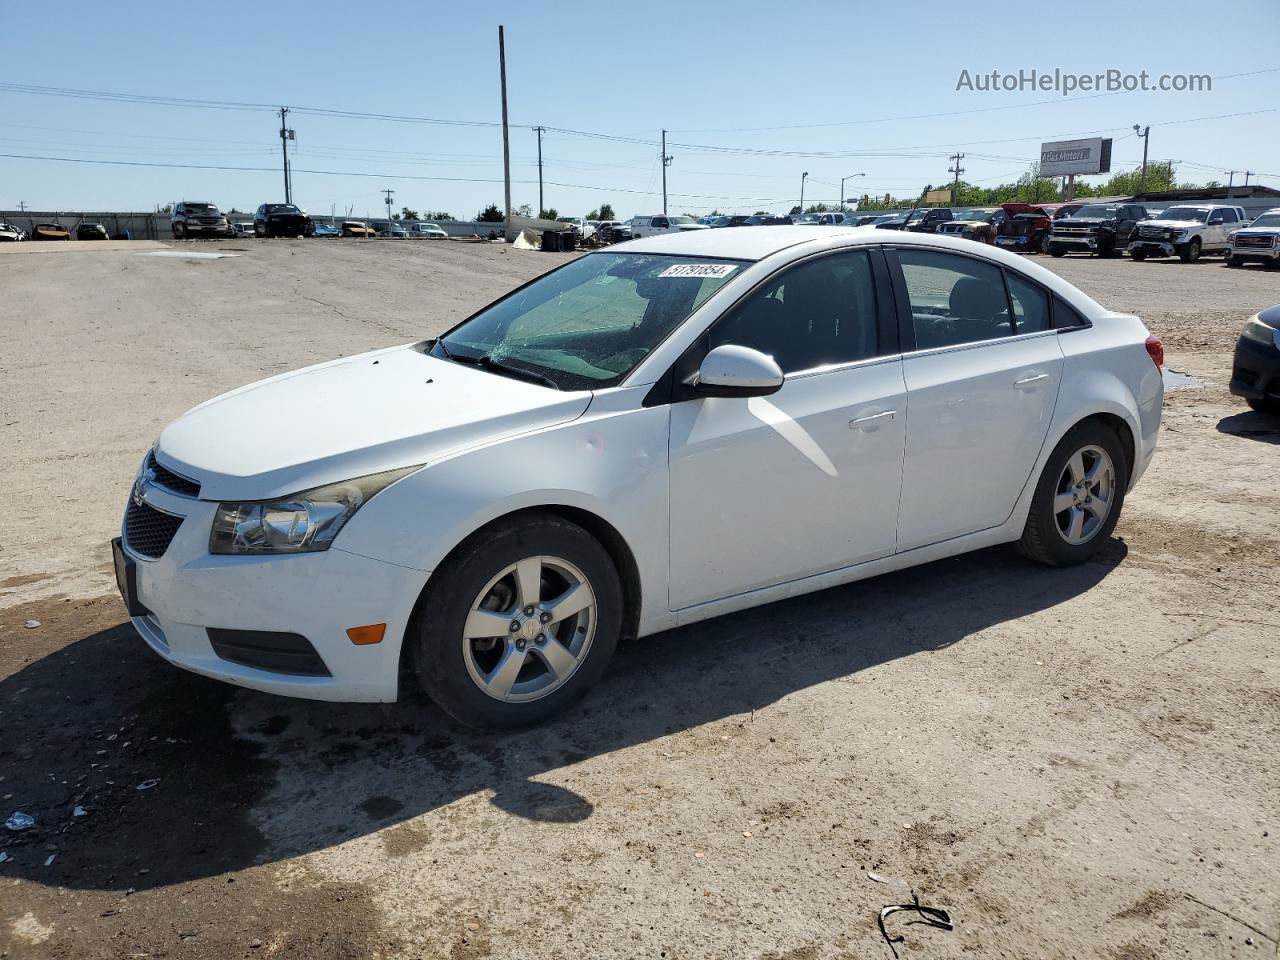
[(1027, 381), (868, 423)]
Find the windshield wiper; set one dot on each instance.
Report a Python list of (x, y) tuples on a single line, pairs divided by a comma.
[(500, 366)]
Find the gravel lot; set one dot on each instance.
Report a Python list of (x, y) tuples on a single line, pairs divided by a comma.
[(1073, 763)]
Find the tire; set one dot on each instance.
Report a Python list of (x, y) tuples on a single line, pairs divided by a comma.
[(1043, 245), (1267, 405), (1057, 251), (1107, 250), (1138, 255), (1232, 261), (1191, 252), (463, 674), (179, 231), (1052, 538)]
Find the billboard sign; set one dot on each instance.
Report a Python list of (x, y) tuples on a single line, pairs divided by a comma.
[(937, 196), (1065, 157)]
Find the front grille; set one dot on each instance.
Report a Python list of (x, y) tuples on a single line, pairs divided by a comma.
[(1255, 241), (1074, 231), (1151, 233), (170, 480), (147, 531), (951, 228)]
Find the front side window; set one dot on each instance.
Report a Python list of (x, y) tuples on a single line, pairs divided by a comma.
[(816, 314), (954, 300), (660, 221), (589, 323)]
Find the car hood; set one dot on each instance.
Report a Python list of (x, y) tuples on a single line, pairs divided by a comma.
[(1176, 224), (1083, 221), (1253, 231), (349, 418)]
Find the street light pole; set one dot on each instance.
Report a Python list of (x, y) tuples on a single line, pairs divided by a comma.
[(842, 180), (803, 177)]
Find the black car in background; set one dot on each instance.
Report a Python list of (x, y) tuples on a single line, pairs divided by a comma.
[(1101, 228), (766, 221), (737, 220), (1255, 370), (919, 220), (281, 220), (91, 231)]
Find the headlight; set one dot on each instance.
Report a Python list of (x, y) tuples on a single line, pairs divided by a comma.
[(1259, 332), (303, 523)]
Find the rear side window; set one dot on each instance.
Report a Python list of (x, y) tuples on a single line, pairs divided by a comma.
[(1066, 316), (1030, 306), (954, 300), (819, 313)]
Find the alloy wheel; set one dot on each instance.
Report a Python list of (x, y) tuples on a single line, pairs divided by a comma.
[(529, 629), (1085, 493)]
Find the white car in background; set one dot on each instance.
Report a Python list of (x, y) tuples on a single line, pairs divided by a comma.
[(661, 223), (1260, 241), (647, 436), (426, 231), (1185, 231)]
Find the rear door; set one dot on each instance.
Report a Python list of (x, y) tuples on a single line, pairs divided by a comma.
[(982, 367)]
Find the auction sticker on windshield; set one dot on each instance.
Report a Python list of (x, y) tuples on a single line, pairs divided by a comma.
[(716, 271)]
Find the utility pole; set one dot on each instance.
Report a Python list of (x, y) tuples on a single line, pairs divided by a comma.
[(1247, 175), (666, 162), (285, 136), (539, 131), (387, 194), (1231, 179), (955, 169), (1146, 137), (22, 206), (803, 177), (506, 135)]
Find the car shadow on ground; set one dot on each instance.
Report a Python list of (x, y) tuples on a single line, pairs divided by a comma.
[(140, 775), (1252, 425)]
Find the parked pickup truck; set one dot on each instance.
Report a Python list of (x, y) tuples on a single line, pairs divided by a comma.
[(1101, 228), (1258, 241), (1186, 231)]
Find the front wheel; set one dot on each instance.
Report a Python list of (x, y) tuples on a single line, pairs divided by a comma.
[(519, 623), (1268, 405), (1043, 246), (1056, 251), (1233, 262), (179, 231), (1078, 497), (1191, 252), (1138, 255)]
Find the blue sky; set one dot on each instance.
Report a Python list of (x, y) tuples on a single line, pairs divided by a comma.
[(716, 74)]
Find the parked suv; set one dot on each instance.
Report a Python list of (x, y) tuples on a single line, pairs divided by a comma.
[(198, 219), (919, 220), (1101, 228), (281, 220), (1186, 231), (1258, 241), (978, 224), (765, 220), (649, 226)]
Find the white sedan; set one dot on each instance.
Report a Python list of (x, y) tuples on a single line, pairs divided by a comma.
[(673, 428)]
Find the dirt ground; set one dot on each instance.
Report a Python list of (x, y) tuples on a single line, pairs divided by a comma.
[(1073, 764)]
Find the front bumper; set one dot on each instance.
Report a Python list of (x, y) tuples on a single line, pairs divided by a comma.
[(187, 591), (1015, 243), (1081, 242), (214, 228), (1261, 254), (1154, 248), (1255, 370)]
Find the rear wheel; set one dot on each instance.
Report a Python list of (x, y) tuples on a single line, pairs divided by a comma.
[(519, 623), (1078, 497)]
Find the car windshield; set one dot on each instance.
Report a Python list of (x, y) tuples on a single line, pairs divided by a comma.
[(1267, 220), (201, 208), (1187, 214), (972, 215), (1096, 211), (281, 208), (587, 324)]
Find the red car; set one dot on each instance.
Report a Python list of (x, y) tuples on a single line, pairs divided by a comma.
[(1027, 229)]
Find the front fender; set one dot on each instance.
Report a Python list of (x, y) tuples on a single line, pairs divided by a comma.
[(611, 462)]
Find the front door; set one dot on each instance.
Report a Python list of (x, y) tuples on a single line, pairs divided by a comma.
[(771, 489), (982, 384)]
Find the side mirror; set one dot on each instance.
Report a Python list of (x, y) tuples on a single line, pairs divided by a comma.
[(733, 371)]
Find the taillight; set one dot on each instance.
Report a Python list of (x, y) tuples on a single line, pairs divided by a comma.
[(1155, 350)]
